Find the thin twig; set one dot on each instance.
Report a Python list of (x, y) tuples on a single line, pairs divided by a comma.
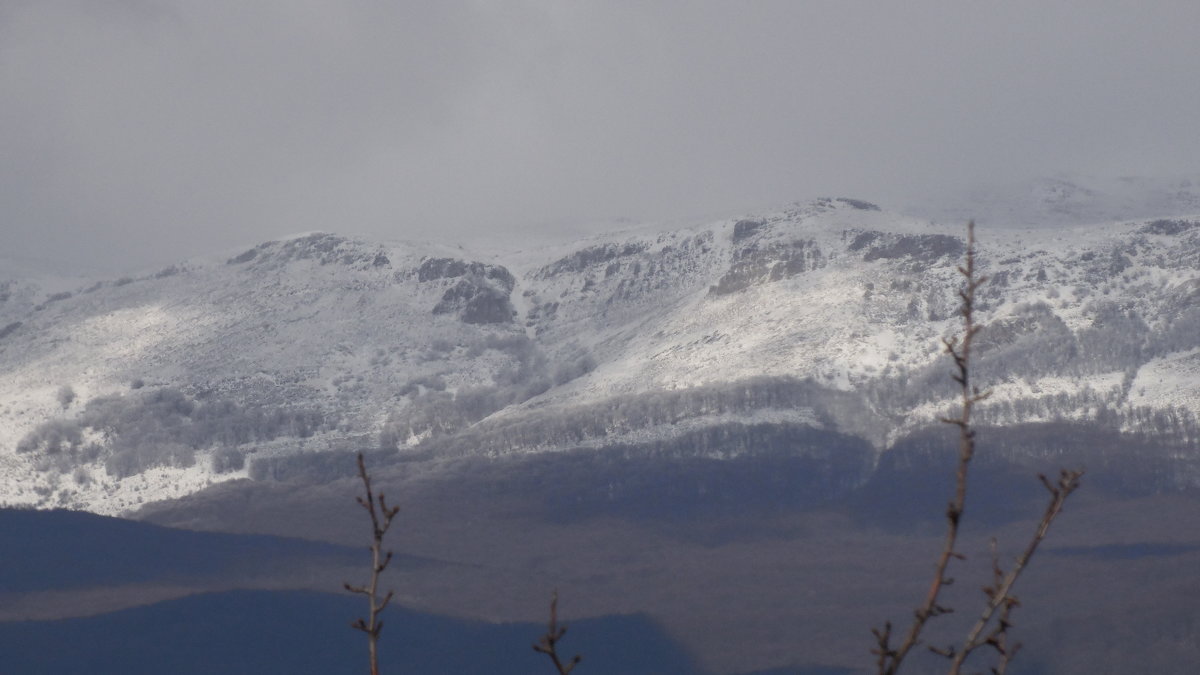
[(991, 629), (548, 644), (381, 519), (1000, 594), (890, 658)]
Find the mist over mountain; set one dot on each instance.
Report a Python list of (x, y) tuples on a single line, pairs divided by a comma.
[(1065, 199)]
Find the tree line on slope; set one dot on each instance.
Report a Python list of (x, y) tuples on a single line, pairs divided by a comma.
[(163, 427)]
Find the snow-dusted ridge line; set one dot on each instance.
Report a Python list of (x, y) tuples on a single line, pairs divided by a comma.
[(378, 336)]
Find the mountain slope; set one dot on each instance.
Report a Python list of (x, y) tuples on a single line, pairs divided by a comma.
[(820, 318)]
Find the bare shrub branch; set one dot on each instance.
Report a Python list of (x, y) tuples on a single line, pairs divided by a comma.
[(999, 594), (890, 658), (548, 644), (381, 519), (1000, 601)]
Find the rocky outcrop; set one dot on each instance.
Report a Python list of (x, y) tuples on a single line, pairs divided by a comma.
[(756, 261), (591, 256), (327, 249), (922, 248), (480, 293)]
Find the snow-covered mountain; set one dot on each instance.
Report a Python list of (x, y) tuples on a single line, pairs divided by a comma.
[(823, 316)]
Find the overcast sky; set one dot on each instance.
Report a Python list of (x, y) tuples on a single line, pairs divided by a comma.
[(137, 132)]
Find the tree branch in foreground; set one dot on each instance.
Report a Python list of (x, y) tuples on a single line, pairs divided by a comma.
[(999, 594), (889, 658), (548, 644), (381, 520)]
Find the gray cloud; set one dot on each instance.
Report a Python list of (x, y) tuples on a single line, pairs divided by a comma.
[(138, 132)]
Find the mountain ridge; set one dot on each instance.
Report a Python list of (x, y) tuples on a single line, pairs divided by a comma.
[(827, 315)]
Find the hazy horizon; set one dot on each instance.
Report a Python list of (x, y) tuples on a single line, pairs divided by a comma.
[(139, 133)]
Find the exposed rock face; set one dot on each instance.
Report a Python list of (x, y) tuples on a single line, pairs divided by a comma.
[(480, 293), (744, 229), (476, 302), (1169, 227), (326, 249), (923, 248), (433, 269), (758, 258), (589, 257), (755, 266), (858, 204), (617, 282)]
